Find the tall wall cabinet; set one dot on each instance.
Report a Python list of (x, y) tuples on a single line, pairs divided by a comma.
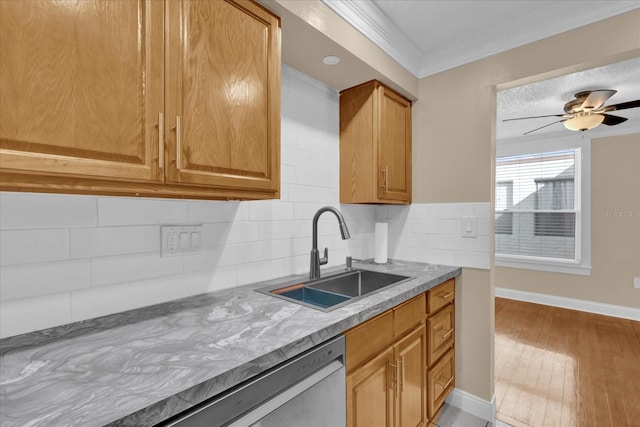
[(140, 97), (375, 145)]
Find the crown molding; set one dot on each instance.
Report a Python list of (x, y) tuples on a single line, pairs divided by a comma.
[(369, 20), (461, 53)]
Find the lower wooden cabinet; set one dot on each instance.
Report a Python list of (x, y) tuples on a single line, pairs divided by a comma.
[(401, 364), (390, 389), (370, 393), (386, 375)]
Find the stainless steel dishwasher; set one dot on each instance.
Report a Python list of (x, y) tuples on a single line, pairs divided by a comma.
[(307, 390)]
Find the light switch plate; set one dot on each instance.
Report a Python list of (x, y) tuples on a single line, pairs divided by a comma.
[(636, 282), (180, 240), (469, 226)]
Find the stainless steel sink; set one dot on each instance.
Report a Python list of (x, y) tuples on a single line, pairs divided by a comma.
[(337, 290)]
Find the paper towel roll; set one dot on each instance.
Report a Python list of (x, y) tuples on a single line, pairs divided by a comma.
[(381, 243)]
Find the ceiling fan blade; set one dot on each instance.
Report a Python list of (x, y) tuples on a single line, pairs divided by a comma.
[(623, 105), (535, 117), (542, 127), (611, 120), (597, 98)]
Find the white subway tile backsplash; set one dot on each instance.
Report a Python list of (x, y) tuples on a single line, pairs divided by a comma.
[(203, 281), (138, 211), (222, 256), (33, 210), (269, 210), (268, 230), (31, 246), (31, 314), (432, 233), (243, 231), (30, 280), (252, 272), (127, 268), (104, 300), (269, 249), (106, 241), (201, 211)]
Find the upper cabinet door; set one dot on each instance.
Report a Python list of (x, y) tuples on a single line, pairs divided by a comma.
[(223, 95), (394, 146), (375, 145), (81, 85)]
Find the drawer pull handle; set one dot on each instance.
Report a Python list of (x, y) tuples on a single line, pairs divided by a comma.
[(445, 296), (445, 385), (446, 334)]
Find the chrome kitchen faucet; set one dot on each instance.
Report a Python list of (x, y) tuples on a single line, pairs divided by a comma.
[(316, 261)]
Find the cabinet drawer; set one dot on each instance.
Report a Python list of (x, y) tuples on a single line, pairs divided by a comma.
[(368, 339), (440, 332), (440, 296), (440, 380), (409, 315)]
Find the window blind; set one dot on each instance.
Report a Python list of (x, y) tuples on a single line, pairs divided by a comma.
[(537, 205)]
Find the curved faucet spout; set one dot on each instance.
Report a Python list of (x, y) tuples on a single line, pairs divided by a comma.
[(316, 261)]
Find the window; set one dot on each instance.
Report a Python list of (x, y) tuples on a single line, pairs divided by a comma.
[(504, 201), (555, 195), (539, 208)]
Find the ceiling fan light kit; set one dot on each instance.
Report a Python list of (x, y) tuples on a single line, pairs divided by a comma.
[(587, 111), (583, 121)]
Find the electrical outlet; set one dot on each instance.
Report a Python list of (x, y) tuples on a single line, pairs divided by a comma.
[(636, 282), (180, 240)]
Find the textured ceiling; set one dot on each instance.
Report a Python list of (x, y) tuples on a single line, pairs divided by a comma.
[(549, 96)]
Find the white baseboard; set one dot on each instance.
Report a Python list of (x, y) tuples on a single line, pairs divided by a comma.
[(473, 404), (571, 303)]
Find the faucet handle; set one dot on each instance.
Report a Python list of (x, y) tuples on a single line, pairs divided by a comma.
[(325, 258)]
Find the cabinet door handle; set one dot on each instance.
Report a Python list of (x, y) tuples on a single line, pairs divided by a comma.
[(385, 173), (394, 378), (178, 143), (401, 373), (161, 140), (445, 296), (446, 334)]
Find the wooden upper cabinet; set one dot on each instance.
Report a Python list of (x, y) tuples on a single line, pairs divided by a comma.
[(175, 98), (375, 145), (223, 95), (81, 86)]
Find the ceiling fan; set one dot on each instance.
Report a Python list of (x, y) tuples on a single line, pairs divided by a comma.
[(587, 111)]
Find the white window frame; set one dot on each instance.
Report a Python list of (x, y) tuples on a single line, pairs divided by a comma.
[(582, 264)]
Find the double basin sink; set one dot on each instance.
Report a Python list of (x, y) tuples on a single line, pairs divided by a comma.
[(337, 290)]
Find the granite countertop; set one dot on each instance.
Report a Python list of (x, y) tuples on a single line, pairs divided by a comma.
[(140, 367)]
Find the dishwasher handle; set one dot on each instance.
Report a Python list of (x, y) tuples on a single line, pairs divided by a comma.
[(256, 414)]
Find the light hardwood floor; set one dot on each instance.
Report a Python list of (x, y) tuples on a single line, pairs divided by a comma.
[(558, 367)]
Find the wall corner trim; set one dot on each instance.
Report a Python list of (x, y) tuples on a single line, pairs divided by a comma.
[(620, 311), (473, 404)]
